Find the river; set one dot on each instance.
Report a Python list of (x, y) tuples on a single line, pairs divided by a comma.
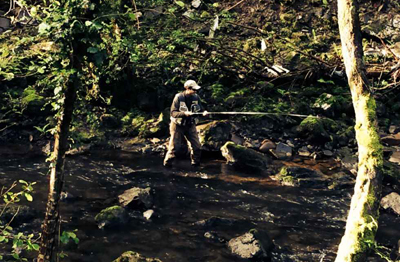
[(306, 224)]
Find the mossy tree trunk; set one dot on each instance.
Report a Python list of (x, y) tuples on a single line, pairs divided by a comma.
[(49, 240), (362, 221)]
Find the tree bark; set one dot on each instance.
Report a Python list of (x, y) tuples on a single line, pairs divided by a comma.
[(362, 221), (49, 239)]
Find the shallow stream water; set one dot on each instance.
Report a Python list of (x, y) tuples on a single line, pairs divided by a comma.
[(306, 224)]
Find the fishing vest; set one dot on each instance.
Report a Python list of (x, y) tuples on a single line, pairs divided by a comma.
[(183, 105)]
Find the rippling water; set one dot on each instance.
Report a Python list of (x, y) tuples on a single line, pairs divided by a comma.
[(306, 224)]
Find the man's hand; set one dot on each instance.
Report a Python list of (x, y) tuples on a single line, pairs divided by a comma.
[(205, 113), (188, 113)]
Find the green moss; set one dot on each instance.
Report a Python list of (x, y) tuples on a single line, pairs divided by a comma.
[(330, 124), (288, 179), (312, 124), (283, 171), (285, 177), (109, 213)]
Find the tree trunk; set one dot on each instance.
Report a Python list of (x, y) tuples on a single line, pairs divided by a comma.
[(49, 240), (362, 221)]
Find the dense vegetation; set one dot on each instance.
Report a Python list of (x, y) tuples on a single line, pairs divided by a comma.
[(133, 57)]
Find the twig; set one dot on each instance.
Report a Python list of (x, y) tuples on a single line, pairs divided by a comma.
[(390, 50), (137, 18), (9, 223), (14, 184), (238, 3), (387, 86), (13, 124)]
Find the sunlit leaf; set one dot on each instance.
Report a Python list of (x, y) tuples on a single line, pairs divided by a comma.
[(180, 3), (28, 197)]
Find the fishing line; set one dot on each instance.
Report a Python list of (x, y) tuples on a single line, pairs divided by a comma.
[(254, 113)]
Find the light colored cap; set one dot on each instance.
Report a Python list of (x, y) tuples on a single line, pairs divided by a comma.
[(191, 84)]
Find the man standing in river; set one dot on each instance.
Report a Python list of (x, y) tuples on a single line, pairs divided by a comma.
[(183, 123)]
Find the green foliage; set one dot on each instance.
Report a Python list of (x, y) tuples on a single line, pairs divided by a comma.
[(218, 91), (66, 236), (18, 241)]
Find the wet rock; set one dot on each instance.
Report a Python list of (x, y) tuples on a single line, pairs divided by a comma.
[(242, 157), (391, 140), (349, 159), (266, 145), (67, 197), (111, 216), (301, 177), (327, 153), (79, 150), (303, 151), (391, 202), (395, 157), (253, 245), (394, 129), (214, 222), (250, 143), (131, 256), (110, 121), (282, 151), (148, 214), (136, 198), (237, 139), (214, 135), (341, 180)]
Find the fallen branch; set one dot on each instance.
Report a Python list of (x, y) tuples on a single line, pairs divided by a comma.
[(238, 3), (13, 124)]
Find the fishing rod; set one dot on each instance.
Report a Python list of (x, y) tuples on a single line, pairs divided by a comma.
[(252, 113)]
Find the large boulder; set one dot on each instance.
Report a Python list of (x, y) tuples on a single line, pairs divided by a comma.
[(111, 216), (254, 244), (131, 256), (315, 129), (136, 198), (244, 158), (215, 134)]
